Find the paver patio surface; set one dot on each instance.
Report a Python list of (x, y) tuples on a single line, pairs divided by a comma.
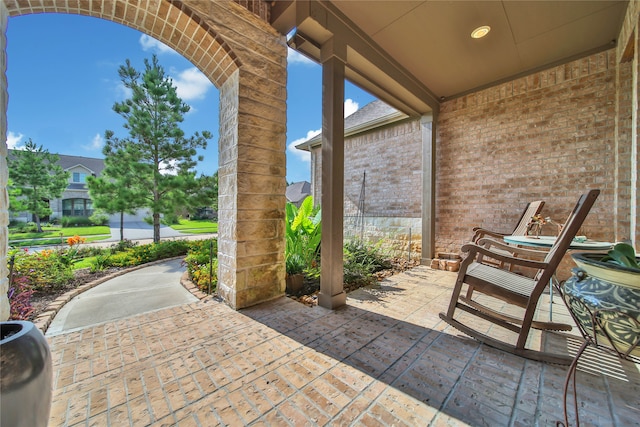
[(385, 359)]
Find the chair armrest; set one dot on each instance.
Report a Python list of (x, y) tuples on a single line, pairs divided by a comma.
[(479, 232), (516, 250), (474, 250)]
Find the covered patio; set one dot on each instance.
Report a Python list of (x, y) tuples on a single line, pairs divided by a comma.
[(384, 359), (496, 134)]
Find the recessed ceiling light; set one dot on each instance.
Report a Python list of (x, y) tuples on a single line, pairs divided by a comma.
[(480, 32)]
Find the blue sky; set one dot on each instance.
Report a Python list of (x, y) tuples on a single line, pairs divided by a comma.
[(62, 73)]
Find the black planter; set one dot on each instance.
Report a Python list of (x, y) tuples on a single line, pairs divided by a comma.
[(25, 375)]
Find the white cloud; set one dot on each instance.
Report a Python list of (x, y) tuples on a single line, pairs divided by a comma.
[(191, 84), (96, 143), (151, 44), (169, 168), (13, 141), (294, 57), (304, 156), (350, 107), (122, 92)]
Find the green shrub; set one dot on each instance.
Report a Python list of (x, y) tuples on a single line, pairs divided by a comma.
[(100, 261), (198, 265), (170, 219), (44, 270), (123, 245), (99, 218), (29, 227), (121, 259), (361, 261), (200, 276), (75, 221)]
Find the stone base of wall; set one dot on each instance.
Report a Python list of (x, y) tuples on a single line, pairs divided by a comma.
[(399, 236)]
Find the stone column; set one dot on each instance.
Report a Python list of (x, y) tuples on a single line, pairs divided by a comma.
[(332, 294), (4, 170), (252, 182), (428, 188)]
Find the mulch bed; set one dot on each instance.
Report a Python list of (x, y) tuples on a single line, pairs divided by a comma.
[(308, 295), (41, 299)]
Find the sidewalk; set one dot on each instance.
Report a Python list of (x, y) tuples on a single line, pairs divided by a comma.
[(140, 291)]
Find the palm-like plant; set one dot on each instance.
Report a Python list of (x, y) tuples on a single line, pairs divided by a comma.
[(303, 234)]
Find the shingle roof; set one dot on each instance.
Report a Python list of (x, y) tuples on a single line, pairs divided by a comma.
[(94, 165), (297, 191), (67, 162), (372, 115)]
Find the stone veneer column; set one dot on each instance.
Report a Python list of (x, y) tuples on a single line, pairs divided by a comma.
[(4, 170), (252, 199)]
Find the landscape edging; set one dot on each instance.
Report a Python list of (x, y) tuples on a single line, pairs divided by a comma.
[(44, 319)]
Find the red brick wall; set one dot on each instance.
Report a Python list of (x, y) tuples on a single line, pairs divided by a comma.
[(549, 135)]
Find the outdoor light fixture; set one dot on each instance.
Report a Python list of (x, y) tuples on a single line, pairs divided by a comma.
[(480, 32)]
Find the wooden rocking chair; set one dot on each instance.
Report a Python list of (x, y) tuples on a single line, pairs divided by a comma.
[(514, 288), (532, 209)]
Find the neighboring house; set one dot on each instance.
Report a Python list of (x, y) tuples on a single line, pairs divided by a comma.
[(298, 191), (75, 200), (382, 177)]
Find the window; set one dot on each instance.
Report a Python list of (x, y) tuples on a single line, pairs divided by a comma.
[(79, 177), (77, 207)]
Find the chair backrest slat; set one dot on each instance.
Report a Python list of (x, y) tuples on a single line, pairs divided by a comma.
[(532, 209), (569, 231)]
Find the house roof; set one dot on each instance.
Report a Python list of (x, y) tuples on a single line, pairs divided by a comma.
[(298, 191), (92, 164), (371, 116)]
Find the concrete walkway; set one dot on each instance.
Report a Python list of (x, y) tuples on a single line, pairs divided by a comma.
[(385, 359), (140, 291)]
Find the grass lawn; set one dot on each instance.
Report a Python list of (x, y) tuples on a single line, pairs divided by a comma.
[(199, 226), (51, 241), (51, 235)]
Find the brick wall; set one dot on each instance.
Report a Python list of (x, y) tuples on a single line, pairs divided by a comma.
[(391, 156), (550, 135)]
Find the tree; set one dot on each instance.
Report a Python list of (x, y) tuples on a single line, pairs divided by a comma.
[(39, 178), (115, 191), (156, 149), (16, 204)]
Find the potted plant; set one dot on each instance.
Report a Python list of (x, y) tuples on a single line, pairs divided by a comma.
[(25, 375), (603, 296)]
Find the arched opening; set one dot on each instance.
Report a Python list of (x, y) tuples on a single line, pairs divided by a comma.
[(235, 63)]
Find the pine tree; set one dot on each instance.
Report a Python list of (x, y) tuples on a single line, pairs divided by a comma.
[(116, 190), (156, 149), (39, 178)]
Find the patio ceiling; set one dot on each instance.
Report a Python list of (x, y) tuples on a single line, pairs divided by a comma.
[(414, 54)]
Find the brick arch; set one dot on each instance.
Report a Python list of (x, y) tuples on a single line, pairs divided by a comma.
[(170, 22), (232, 43)]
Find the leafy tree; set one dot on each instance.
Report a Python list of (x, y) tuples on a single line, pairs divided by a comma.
[(39, 177), (156, 149), (116, 190)]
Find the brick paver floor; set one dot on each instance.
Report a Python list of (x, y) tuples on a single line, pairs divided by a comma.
[(386, 359)]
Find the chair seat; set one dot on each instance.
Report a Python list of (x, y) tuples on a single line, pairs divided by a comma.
[(515, 283)]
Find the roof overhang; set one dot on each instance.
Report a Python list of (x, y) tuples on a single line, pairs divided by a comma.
[(312, 24)]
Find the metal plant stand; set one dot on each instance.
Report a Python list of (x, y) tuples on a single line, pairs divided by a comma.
[(596, 326)]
